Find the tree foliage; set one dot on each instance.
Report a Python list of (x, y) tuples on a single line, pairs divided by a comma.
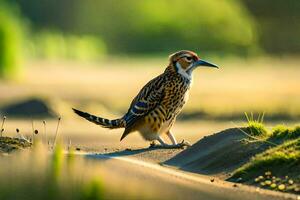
[(10, 41), (151, 26)]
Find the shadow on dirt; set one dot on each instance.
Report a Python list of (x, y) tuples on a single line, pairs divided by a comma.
[(218, 154)]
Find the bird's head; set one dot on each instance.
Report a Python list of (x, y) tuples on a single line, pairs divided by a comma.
[(184, 62)]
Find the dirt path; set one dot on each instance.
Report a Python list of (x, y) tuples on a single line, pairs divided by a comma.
[(170, 183)]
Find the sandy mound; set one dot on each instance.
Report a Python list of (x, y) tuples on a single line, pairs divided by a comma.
[(28, 108), (217, 154)]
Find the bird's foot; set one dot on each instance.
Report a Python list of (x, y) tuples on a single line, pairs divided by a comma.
[(152, 144), (183, 144), (180, 145)]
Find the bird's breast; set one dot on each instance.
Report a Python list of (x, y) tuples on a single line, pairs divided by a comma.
[(182, 101), (186, 96)]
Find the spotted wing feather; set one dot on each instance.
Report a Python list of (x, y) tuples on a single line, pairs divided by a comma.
[(147, 100)]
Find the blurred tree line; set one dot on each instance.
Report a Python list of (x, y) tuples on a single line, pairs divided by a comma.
[(161, 25), (278, 24), (150, 26), (80, 29), (11, 29)]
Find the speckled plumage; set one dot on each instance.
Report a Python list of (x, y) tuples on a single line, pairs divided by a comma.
[(163, 98), (154, 110)]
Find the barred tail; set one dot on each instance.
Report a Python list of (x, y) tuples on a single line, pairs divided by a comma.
[(106, 123)]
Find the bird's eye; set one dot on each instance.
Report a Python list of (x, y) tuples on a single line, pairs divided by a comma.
[(188, 59)]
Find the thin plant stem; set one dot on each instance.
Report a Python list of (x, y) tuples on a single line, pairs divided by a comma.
[(32, 126), (2, 125), (253, 137), (69, 145), (45, 131), (56, 132)]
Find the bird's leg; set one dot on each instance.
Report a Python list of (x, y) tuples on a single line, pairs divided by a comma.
[(172, 138), (174, 142), (161, 141)]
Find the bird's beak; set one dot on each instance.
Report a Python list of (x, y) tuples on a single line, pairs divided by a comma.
[(199, 63)]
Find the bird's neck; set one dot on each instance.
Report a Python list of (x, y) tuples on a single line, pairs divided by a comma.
[(175, 71), (170, 69), (185, 74)]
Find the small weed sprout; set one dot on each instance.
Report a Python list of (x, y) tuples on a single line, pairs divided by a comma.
[(20, 135), (69, 145), (255, 127)]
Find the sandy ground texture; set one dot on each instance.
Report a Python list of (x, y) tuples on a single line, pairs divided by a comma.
[(196, 172), (144, 165), (167, 183), (218, 154), (165, 172)]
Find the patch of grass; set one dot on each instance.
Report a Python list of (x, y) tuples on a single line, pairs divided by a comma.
[(8, 144), (283, 160), (281, 132), (286, 155), (255, 127)]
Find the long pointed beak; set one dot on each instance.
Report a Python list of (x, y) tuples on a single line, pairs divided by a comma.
[(204, 63)]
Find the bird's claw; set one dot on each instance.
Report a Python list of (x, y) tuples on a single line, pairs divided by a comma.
[(152, 145), (180, 145), (183, 144)]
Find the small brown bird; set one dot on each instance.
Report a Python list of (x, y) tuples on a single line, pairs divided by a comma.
[(154, 110)]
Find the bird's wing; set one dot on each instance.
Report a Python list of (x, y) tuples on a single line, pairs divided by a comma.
[(148, 98)]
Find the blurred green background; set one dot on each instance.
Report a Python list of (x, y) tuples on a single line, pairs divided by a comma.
[(95, 55), (73, 51), (92, 29)]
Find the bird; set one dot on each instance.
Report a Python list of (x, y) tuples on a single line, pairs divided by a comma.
[(154, 109)]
